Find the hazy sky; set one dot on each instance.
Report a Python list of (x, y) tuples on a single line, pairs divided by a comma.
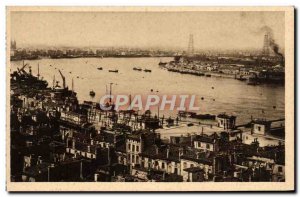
[(211, 30)]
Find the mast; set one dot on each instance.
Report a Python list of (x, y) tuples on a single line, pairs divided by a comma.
[(129, 101), (110, 91), (53, 81), (72, 85), (38, 75)]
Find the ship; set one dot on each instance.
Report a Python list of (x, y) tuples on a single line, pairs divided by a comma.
[(162, 63), (203, 116), (100, 68), (113, 71), (137, 69), (26, 79), (147, 70)]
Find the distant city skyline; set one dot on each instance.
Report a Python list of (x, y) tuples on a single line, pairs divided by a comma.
[(211, 30)]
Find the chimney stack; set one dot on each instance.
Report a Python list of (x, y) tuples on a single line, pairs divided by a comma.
[(73, 143), (168, 152)]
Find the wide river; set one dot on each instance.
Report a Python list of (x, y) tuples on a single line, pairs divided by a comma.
[(227, 95)]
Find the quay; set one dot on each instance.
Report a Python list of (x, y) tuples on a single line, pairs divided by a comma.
[(253, 74)]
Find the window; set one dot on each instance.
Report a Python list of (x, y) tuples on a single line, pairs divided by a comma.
[(184, 165), (192, 165), (199, 144), (163, 165), (175, 170), (129, 146), (207, 146), (137, 148), (133, 148), (279, 168), (258, 128)]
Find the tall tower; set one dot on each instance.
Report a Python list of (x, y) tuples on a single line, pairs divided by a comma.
[(190, 51), (13, 45), (266, 47)]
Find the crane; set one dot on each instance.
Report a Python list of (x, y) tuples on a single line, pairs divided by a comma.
[(22, 69), (63, 78)]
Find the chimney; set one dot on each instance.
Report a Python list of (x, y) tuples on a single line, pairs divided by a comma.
[(156, 150), (39, 161), (180, 153), (73, 143), (67, 141), (96, 176), (168, 152)]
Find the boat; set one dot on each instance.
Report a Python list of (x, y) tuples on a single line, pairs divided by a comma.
[(186, 114), (92, 93), (137, 69), (203, 116), (147, 70), (253, 81), (241, 79), (208, 75), (162, 63), (113, 71), (100, 68)]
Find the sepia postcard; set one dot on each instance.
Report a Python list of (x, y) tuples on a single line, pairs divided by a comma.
[(112, 99)]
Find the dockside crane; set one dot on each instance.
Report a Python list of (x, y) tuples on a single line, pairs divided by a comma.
[(22, 71), (63, 79)]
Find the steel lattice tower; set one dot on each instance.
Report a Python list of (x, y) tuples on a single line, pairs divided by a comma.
[(266, 47), (190, 51)]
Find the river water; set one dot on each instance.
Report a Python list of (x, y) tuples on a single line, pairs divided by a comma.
[(219, 94)]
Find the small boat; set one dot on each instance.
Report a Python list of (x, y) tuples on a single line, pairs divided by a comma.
[(148, 70), (100, 68), (190, 124), (208, 75), (162, 63), (186, 114), (92, 93), (137, 69), (113, 71), (241, 79)]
